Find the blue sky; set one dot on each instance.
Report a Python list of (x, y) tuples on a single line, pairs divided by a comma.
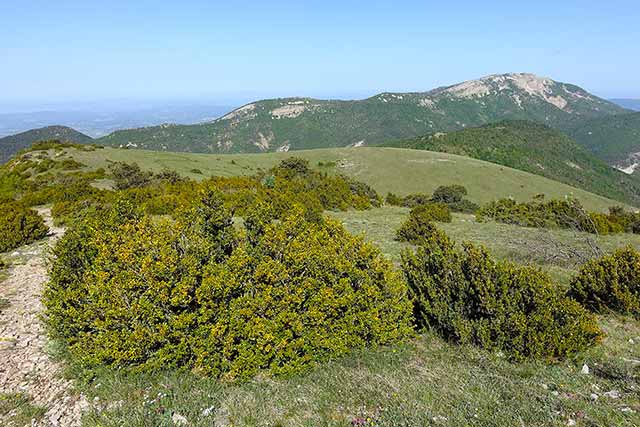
[(227, 52)]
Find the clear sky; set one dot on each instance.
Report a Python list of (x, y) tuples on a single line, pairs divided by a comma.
[(230, 51)]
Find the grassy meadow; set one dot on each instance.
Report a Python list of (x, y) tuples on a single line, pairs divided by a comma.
[(400, 171), (424, 382)]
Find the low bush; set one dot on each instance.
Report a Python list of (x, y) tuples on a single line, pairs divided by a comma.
[(568, 214), (419, 225), (467, 297), (19, 226), (130, 291), (610, 283)]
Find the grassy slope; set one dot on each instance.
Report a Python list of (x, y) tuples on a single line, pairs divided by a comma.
[(611, 139), (534, 148), (386, 169)]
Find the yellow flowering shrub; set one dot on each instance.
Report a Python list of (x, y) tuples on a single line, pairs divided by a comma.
[(128, 290)]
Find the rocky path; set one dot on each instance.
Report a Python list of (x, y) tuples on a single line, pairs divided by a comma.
[(24, 365)]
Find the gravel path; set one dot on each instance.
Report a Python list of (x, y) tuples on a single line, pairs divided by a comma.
[(24, 365)]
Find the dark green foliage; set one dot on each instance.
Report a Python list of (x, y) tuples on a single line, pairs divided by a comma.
[(467, 297), (19, 226), (393, 199), (196, 171), (449, 194), (415, 199), (419, 226), (611, 138), (554, 214), (610, 283), (128, 175), (131, 292), (51, 135), (538, 149)]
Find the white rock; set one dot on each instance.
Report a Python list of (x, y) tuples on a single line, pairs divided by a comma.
[(571, 422), (613, 394), (627, 410), (594, 397), (585, 369), (179, 420), (208, 411)]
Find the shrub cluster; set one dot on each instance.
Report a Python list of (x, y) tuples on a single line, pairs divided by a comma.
[(19, 225), (420, 225), (610, 283), (467, 297), (127, 290), (451, 195), (568, 214)]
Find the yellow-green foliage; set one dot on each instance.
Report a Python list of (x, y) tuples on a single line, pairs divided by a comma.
[(610, 283), (130, 291), (419, 225), (468, 297), (19, 226)]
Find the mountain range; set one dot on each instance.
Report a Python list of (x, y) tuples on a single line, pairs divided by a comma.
[(303, 123), (537, 118)]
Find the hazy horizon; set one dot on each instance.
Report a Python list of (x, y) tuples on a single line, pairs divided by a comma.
[(223, 54)]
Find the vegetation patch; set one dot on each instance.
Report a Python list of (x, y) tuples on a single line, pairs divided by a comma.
[(467, 297), (419, 225), (193, 293), (568, 214), (19, 225), (450, 195), (610, 283), (19, 410)]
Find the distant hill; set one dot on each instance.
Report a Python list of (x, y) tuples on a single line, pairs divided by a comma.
[(615, 139), (534, 148), (10, 145), (630, 104), (303, 123)]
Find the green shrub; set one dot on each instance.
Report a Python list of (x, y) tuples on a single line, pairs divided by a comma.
[(129, 291), (538, 213), (449, 194), (196, 171), (610, 283), (19, 226), (415, 199), (129, 175), (467, 297), (393, 200), (419, 225)]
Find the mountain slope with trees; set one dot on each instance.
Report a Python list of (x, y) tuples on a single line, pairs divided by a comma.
[(304, 123), (534, 148), (10, 145)]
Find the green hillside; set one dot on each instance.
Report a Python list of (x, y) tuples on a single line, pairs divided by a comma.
[(614, 139), (394, 170), (304, 123), (10, 145), (537, 149)]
